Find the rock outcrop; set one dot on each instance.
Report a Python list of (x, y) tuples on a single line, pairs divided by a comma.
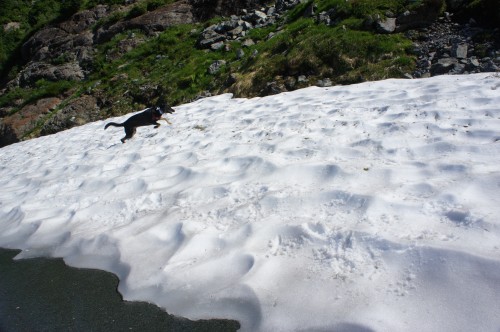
[(61, 52), (180, 12), (446, 47), (82, 110), (13, 128), (216, 36)]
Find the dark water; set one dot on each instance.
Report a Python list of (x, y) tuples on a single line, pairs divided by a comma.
[(43, 294)]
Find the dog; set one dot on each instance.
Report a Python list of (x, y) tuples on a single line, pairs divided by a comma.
[(148, 117)]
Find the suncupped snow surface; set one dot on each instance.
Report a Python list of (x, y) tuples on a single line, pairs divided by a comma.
[(370, 207)]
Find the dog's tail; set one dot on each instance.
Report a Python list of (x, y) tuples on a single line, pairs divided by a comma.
[(113, 124)]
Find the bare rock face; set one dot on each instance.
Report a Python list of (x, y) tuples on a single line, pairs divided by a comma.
[(80, 111), (179, 12), (14, 127), (35, 71), (61, 52)]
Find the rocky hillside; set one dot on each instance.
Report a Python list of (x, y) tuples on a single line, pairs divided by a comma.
[(99, 59)]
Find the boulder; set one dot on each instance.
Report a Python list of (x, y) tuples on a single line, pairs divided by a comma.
[(216, 66), (273, 88), (387, 25), (460, 51), (488, 65), (240, 53), (209, 37), (217, 46), (443, 66), (256, 17), (326, 82)]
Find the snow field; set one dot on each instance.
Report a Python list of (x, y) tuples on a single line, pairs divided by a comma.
[(372, 206)]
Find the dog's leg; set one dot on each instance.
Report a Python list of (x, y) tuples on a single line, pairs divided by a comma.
[(129, 133), (170, 123)]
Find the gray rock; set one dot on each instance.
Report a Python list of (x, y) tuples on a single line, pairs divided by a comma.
[(474, 62), (290, 82), (324, 18), (216, 67), (209, 37), (273, 88), (35, 71), (458, 68), (248, 42), (246, 25), (257, 17), (443, 66), (387, 25), (488, 65), (460, 51), (326, 82), (217, 46), (236, 32), (231, 80), (226, 26)]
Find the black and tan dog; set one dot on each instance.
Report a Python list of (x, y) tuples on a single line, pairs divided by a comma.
[(148, 117)]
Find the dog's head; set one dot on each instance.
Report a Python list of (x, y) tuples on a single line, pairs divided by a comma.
[(163, 107)]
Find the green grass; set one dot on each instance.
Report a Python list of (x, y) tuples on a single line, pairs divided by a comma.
[(343, 54), (169, 61)]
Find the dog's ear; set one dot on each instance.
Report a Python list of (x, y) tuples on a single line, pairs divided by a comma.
[(163, 105), (168, 109)]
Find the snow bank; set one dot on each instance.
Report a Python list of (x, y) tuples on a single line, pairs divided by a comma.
[(366, 207)]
